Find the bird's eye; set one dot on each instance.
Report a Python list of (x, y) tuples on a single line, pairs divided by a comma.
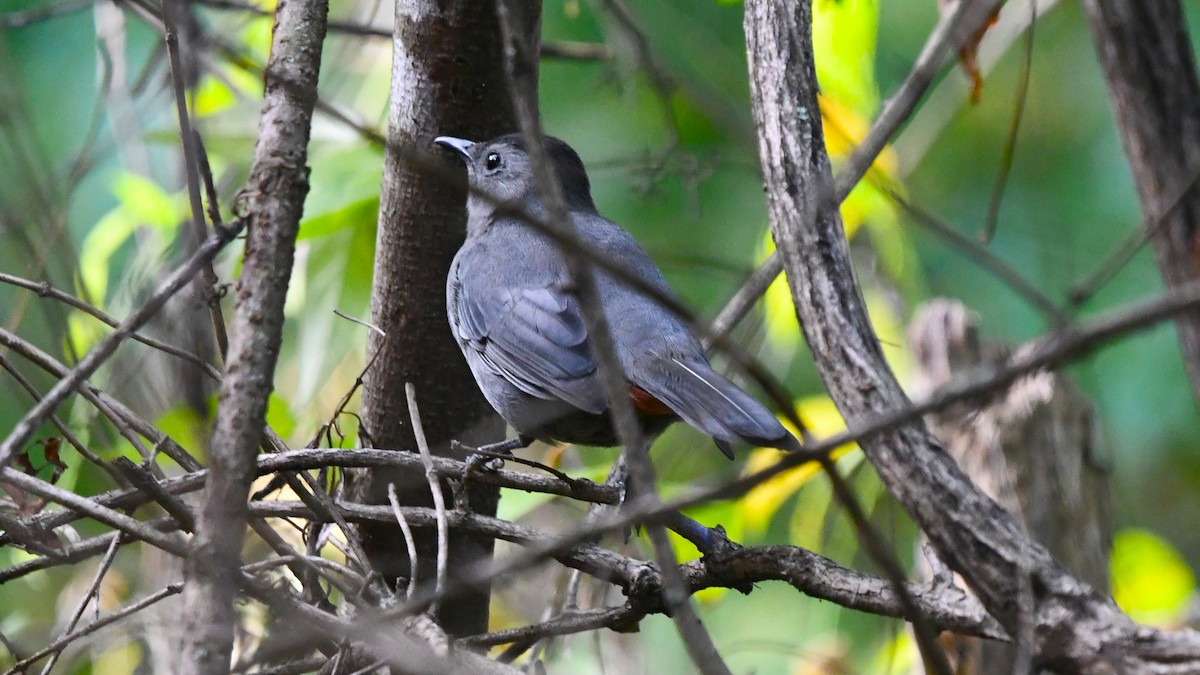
[(492, 161)]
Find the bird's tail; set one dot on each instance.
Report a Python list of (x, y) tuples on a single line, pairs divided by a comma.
[(708, 401)]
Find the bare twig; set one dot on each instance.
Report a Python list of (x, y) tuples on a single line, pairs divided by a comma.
[(435, 489), (560, 49), (660, 80), (982, 257), (1083, 291), (128, 424), (42, 12), (93, 592), (1010, 145), (63, 430), (174, 15), (272, 203), (566, 623), (44, 289), (25, 428), (94, 626), (409, 542), (131, 526)]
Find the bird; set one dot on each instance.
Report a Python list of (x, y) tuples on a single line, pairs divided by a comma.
[(521, 328)]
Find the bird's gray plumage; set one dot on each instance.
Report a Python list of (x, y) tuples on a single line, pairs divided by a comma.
[(522, 330)]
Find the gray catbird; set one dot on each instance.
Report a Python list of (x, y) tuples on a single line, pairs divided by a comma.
[(522, 332)]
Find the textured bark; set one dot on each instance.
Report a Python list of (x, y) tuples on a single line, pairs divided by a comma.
[(1149, 64), (447, 78), (1075, 628), (272, 204), (1030, 448)]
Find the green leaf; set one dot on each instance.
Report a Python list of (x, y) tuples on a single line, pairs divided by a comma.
[(102, 241), (147, 203), (279, 416), (362, 212)]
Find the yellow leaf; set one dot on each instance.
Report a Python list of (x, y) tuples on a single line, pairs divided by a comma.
[(844, 36), (762, 502), (212, 96), (1150, 580), (889, 328)]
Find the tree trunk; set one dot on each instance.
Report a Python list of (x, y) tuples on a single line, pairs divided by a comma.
[(1148, 62), (447, 78), (1031, 448)]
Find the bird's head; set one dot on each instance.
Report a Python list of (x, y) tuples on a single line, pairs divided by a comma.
[(502, 168)]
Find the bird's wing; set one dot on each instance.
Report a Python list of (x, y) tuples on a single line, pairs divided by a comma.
[(533, 337)]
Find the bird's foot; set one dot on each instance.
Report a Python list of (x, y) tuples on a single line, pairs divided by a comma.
[(708, 540), (490, 457)]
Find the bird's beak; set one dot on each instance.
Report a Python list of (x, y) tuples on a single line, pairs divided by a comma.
[(462, 145)]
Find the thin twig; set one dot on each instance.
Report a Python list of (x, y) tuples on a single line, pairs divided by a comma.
[(983, 257), (43, 12), (435, 489), (409, 542), (44, 289), (533, 464), (63, 429), (28, 424), (213, 291), (133, 527), (93, 591), (96, 625), (314, 561), (128, 424), (1083, 291), (1010, 145), (559, 49), (566, 623)]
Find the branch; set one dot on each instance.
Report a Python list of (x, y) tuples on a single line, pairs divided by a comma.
[(25, 428), (1076, 628), (272, 203), (946, 607), (59, 644), (45, 290), (953, 29), (1150, 67)]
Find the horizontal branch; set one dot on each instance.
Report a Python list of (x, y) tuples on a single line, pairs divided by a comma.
[(948, 608), (299, 460)]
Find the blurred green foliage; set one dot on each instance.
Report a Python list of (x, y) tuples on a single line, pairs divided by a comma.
[(91, 198)]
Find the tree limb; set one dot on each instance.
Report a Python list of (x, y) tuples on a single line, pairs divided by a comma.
[(1076, 628), (272, 203)]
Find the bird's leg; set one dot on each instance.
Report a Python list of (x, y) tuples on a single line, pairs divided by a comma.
[(707, 540), (490, 457)]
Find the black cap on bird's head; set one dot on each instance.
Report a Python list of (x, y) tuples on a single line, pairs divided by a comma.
[(502, 168)]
